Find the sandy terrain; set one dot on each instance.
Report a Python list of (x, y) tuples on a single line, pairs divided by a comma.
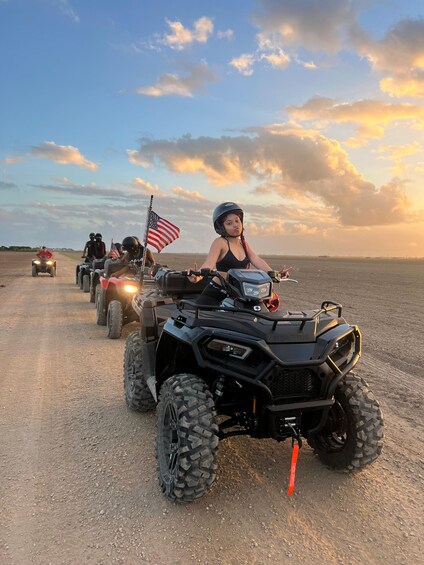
[(77, 469)]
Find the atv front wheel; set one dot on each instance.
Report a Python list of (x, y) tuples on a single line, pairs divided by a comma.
[(100, 306), (52, 272), (352, 437), (80, 279), (93, 287), (86, 283), (114, 319), (137, 393), (187, 438), (34, 271)]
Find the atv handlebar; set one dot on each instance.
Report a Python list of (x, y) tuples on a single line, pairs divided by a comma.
[(275, 276)]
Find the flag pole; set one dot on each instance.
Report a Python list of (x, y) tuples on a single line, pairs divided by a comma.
[(146, 234)]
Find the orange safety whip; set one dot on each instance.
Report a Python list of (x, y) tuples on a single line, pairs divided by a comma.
[(295, 454)]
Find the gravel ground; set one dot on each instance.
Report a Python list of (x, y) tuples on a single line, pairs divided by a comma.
[(77, 469)]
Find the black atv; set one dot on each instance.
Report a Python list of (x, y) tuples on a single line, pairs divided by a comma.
[(43, 265), (238, 369), (83, 271)]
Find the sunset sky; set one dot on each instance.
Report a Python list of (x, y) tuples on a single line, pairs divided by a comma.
[(308, 113)]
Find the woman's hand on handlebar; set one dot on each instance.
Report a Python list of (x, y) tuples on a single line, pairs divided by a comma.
[(193, 278), (284, 273)]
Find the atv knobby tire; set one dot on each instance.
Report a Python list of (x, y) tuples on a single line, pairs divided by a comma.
[(53, 272), (137, 394), (101, 318), (114, 319), (34, 271), (187, 438), (93, 287), (353, 434), (80, 279), (86, 283)]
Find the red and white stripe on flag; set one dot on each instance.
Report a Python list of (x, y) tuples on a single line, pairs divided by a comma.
[(161, 232), (114, 253)]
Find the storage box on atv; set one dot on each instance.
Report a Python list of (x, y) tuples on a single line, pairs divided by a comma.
[(175, 284)]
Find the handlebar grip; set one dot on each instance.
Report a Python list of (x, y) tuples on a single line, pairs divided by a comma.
[(205, 272)]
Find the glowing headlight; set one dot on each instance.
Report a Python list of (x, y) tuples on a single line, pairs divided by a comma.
[(131, 288), (228, 348), (258, 291), (36, 262), (49, 262)]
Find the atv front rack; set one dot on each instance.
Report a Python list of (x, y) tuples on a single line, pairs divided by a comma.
[(326, 307)]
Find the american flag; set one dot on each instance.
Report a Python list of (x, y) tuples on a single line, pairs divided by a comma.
[(113, 253), (161, 232)]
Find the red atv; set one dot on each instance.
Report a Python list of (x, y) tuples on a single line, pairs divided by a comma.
[(114, 303)]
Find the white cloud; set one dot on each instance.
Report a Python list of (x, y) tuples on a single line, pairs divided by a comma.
[(243, 63), (227, 34), (67, 10)]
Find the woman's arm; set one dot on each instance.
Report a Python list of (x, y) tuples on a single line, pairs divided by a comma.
[(211, 259)]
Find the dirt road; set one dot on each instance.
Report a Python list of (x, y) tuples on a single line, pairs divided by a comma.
[(77, 469)]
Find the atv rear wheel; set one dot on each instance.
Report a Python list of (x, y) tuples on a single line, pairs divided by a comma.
[(352, 437), (187, 438), (114, 319), (100, 306), (86, 283), (137, 393), (34, 271)]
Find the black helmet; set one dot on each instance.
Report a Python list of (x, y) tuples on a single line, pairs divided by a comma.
[(130, 243), (221, 211), (92, 234), (98, 236)]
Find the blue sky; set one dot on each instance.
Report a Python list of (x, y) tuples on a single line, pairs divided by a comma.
[(308, 113)]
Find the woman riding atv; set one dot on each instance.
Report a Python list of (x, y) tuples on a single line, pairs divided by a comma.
[(229, 251)]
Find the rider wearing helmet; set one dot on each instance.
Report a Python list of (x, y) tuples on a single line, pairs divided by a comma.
[(228, 251), (133, 250), (99, 246), (88, 252)]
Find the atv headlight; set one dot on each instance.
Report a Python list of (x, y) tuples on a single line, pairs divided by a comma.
[(36, 262), (257, 291), (229, 348), (49, 262), (131, 288)]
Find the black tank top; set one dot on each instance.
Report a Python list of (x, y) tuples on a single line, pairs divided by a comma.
[(230, 261)]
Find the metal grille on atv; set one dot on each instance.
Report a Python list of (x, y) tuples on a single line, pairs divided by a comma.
[(293, 383)]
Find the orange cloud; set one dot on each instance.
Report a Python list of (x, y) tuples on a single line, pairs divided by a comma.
[(175, 85), (62, 154), (182, 37), (147, 188), (188, 195), (371, 116), (297, 164)]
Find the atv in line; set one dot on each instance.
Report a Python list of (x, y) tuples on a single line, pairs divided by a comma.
[(238, 369), (43, 265), (82, 274)]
